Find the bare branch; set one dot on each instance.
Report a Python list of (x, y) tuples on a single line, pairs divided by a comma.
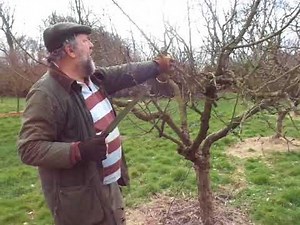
[(142, 32)]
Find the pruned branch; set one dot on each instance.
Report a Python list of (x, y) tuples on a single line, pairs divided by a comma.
[(233, 124)]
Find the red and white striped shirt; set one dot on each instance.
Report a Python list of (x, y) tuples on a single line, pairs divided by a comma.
[(102, 114)]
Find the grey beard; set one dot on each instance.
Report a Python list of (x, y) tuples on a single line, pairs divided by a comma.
[(89, 67)]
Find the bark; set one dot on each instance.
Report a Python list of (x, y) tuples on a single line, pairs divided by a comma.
[(202, 167), (18, 103), (295, 109), (279, 124)]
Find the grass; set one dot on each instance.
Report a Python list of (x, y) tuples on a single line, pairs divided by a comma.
[(271, 195), (9, 104), (21, 200)]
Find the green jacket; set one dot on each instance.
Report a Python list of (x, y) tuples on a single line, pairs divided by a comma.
[(56, 116)]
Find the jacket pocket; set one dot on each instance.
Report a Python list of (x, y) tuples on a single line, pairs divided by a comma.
[(78, 205)]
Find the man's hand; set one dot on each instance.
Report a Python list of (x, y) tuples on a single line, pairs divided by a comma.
[(93, 149), (165, 63)]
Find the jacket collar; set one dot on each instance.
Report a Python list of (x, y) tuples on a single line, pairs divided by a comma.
[(68, 83)]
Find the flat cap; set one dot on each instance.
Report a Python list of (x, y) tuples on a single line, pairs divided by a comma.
[(55, 36)]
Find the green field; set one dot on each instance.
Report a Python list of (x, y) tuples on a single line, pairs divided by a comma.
[(271, 194)]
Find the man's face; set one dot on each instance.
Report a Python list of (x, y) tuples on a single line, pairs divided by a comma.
[(83, 51)]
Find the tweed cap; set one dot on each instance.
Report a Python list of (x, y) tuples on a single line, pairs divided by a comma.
[(55, 36)]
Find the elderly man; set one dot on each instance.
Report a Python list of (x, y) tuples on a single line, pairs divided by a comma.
[(66, 111)]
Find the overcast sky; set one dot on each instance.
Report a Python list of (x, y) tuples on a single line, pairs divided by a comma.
[(148, 14)]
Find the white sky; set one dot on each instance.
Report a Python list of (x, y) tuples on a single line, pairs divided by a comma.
[(148, 14)]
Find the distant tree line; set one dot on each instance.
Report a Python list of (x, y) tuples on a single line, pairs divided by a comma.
[(22, 59)]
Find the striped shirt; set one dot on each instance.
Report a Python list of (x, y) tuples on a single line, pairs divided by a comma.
[(103, 114)]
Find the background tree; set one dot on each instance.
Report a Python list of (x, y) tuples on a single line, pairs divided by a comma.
[(277, 65), (18, 71), (23, 60)]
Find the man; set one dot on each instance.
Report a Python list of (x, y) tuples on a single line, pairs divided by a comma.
[(65, 113)]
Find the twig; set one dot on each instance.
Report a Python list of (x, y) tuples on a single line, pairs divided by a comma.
[(142, 32)]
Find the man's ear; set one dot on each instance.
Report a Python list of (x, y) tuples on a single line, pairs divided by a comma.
[(70, 51)]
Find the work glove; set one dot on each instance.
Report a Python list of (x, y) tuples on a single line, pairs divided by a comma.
[(93, 149)]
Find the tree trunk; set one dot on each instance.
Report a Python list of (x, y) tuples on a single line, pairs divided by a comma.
[(18, 103), (202, 167), (279, 124)]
